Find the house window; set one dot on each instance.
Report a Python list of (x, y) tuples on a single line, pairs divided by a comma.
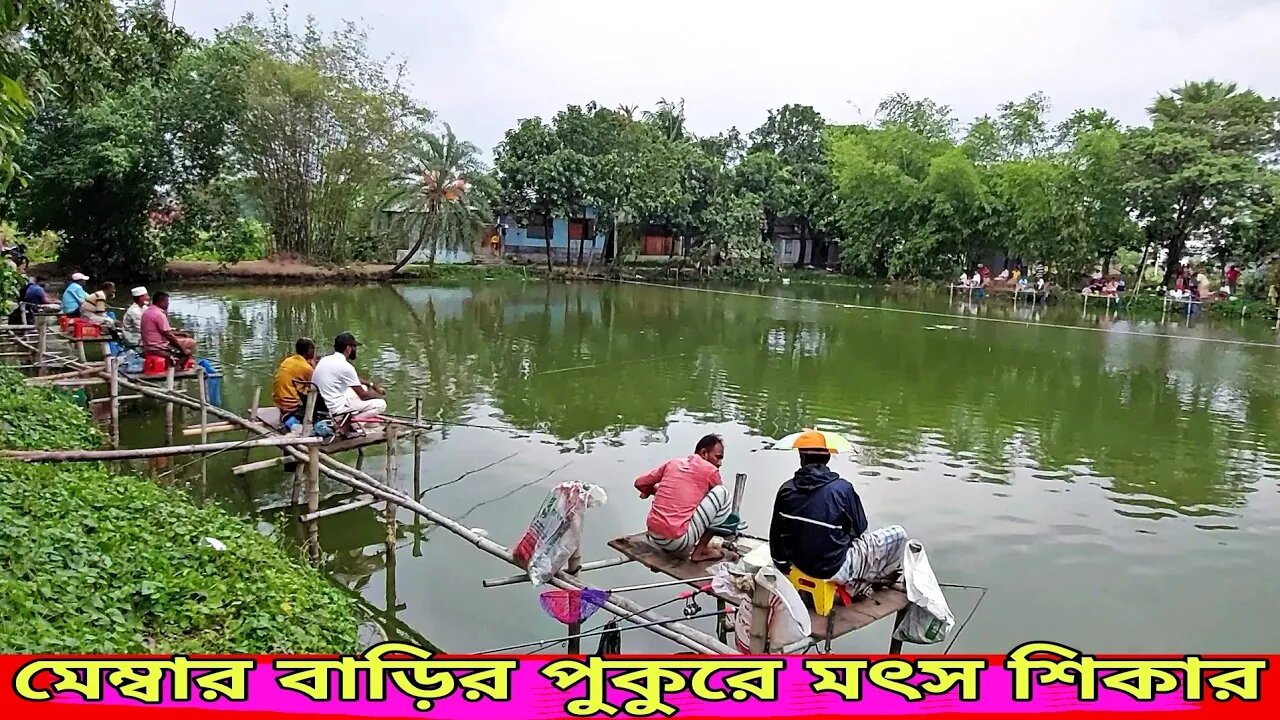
[(579, 228), (536, 227)]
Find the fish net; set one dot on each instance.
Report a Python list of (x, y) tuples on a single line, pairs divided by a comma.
[(572, 606)]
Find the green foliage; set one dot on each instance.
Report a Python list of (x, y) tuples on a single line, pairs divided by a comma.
[(1201, 169), (96, 163), (437, 197), (97, 562), (325, 126)]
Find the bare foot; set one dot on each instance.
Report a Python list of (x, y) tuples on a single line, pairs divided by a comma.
[(705, 554)]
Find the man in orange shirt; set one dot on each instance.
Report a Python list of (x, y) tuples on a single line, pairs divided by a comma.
[(293, 374), (688, 500)]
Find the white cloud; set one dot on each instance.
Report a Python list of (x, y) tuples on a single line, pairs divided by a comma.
[(482, 64)]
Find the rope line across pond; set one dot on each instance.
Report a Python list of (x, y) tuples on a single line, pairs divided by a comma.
[(952, 316)]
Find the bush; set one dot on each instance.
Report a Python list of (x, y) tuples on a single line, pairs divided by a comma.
[(97, 562)]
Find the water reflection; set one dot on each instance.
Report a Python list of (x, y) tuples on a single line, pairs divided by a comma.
[(1170, 425), (1034, 458)]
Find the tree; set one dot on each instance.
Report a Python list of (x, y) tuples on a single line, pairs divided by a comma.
[(325, 125), (795, 136), (924, 117), (437, 200), (1202, 163), (95, 170)]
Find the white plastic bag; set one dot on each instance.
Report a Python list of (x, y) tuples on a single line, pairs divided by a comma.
[(556, 531), (788, 617), (928, 618)]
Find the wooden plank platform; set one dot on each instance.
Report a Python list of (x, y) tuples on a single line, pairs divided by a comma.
[(882, 603), (270, 416)]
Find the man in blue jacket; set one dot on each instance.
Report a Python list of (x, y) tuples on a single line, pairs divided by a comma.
[(820, 528)]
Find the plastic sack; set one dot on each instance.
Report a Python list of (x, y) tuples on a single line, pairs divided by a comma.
[(788, 617), (556, 531), (928, 619)]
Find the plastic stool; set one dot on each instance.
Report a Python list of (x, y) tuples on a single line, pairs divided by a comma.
[(64, 323), (154, 365), (823, 592)]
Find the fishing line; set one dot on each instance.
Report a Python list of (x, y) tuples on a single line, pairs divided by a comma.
[(972, 612), (952, 316), (465, 474)]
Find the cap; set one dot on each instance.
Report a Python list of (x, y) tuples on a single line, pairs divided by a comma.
[(344, 341), (79, 277), (811, 440), (138, 291)]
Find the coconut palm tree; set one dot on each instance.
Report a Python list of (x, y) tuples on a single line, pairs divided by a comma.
[(439, 196)]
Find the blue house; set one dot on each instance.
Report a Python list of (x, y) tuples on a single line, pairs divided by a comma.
[(570, 237)]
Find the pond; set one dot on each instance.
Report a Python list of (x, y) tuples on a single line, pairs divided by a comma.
[(1112, 482)]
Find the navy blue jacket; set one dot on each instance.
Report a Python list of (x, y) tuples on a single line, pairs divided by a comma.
[(816, 516)]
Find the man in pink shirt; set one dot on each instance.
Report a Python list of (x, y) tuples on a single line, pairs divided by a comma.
[(688, 499), (158, 337)]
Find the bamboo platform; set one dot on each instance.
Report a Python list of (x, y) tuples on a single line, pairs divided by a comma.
[(270, 416), (882, 603)]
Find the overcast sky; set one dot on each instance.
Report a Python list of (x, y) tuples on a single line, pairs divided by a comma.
[(484, 64)]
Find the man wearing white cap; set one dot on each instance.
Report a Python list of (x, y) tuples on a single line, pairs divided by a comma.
[(131, 326), (74, 295)]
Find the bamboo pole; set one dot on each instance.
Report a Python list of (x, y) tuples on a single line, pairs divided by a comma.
[(389, 512), (260, 465), (313, 503), (140, 453), (113, 390), (168, 407), (759, 618), (621, 607), (417, 446), (328, 512), (585, 567), (42, 343), (204, 428), (574, 570)]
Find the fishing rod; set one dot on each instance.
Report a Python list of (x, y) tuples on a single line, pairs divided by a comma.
[(594, 633)]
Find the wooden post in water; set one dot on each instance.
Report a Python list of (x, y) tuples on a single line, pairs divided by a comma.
[(895, 645), (417, 445), (42, 342), (389, 513), (313, 476), (168, 406), (204, 431), (113, 392), (417, 474), (759, 618), (574, 567)]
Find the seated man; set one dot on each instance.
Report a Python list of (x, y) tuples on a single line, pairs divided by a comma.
[(292, 376), (342, 390), (158, 337), (688, 500), (73, 297), (95, 309), (820, 528), (131, 325)]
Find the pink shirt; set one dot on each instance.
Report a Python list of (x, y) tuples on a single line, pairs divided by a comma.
[(155, 322), (677, 486)]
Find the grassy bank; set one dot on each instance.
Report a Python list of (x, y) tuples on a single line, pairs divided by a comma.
[(100, 562)]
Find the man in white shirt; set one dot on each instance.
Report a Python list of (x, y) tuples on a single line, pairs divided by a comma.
[(131, 325), (340, 387)]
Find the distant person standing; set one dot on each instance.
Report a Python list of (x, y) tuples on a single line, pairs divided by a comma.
[(1233, 277)]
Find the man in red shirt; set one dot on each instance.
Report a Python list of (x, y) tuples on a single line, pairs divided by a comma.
[(1233, 277), (688, 499)]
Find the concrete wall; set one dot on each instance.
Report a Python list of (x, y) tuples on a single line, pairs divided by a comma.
[(516, 240)]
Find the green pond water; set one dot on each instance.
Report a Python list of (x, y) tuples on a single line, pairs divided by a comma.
[(1112, 481)]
